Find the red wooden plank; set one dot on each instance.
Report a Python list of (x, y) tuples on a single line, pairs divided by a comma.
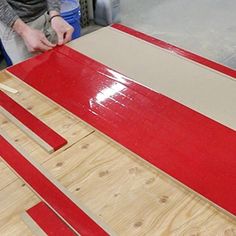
[(48, 221), (40, 129), (190, 147), (50, 193), (184, 53)]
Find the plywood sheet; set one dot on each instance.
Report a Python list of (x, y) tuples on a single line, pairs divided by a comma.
[(133, 115), (131, 196), (48, 190)]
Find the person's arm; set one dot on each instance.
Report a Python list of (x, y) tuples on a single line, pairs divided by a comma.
[(7, 14), (54, 5), (60, 26), (35, 40)]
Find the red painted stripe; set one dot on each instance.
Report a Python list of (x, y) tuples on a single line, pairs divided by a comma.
[(184, 53), (48, 221), (56, 199), (35, 125), (190, 147)]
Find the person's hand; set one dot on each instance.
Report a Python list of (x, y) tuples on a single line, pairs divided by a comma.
[(35, 40), (63, 30)]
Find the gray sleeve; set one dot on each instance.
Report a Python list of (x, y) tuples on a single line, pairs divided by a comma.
[(54, 5), (7, 15)]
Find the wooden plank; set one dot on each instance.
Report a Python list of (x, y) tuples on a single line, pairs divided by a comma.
[(15, 226), (6, 176), (48, 221), (51, 191), (37, 130), (132, 197), (36, 230), (60, 121), (72, 128), (3, 87), (15, 198), (127, 111)]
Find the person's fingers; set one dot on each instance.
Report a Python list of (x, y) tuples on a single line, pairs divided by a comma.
[(60, 37), (47, 43), (68, 36), (42, 47)]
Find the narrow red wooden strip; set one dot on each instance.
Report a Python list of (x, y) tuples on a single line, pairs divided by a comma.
[(40, 129), (50, 193), (48, 221), (177, 50), (190, 147)]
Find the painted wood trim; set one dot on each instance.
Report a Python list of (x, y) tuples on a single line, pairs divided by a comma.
[(62, 202), (32, 126), (48, 221), (32, 225)]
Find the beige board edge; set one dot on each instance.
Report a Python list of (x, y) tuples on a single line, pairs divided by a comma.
[(32, 225), (175, 54), (56, 183), (26, 130), (222, 210)]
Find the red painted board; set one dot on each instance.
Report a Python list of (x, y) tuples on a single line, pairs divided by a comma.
[(52, 195), (30, 121), (184, 53), (48, 221), (190, 147)]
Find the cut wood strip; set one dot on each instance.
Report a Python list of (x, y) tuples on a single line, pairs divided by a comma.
[(7, 88), (32, 225), (48, 221), (33, 127), (26, 130), (184, 53), (64, 204), (177, 140)]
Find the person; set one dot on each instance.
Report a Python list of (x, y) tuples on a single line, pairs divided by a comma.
[(29, 27)]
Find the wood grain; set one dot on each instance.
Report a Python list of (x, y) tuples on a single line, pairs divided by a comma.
[(32, 225), (134, 198), (129, 195), (14, 198)]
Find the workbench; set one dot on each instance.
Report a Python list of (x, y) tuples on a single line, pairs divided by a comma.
[(130, 195)]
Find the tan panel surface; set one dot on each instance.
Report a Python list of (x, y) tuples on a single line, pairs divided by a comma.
[(129, 195), (201, 89)]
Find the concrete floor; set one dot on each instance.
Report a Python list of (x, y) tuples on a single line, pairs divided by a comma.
[(205, 27)]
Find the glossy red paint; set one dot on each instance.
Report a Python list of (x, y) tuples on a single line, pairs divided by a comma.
[(184, 53), (54, 197), (190, 147), (48, 221), (35, 125)]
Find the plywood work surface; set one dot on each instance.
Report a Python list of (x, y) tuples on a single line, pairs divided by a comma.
[(161, 131), (127, 194)]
